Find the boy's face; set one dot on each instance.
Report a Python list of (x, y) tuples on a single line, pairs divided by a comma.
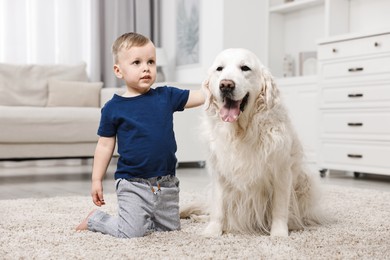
[(137, 67)]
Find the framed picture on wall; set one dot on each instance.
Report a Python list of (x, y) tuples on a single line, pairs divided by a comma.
[(187, 32)]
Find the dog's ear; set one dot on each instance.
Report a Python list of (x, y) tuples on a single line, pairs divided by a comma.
[(209, 99), (269, 93)]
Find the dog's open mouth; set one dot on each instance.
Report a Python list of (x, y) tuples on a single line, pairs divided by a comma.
[(232, 109)]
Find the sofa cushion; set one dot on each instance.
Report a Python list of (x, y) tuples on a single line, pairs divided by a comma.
[(74, 93), (26, 85), (48, 124)]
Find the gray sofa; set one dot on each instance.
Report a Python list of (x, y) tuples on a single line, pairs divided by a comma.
[(49, 111)]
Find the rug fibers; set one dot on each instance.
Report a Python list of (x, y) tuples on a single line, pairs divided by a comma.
[(44, 229)]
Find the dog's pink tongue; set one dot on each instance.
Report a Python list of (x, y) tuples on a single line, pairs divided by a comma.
[(230, 111)]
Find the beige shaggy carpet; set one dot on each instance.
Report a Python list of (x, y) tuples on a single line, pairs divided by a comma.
[(44, 229)]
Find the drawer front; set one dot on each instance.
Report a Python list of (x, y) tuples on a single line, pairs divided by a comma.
[(374, 125), (369, 155), (368, 95), (355, 69), (363, 46)]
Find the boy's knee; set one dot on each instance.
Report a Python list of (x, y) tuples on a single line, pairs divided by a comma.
[(131, 233)]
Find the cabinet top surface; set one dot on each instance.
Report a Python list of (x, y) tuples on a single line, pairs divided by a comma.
[(294, 6), (352, 36)]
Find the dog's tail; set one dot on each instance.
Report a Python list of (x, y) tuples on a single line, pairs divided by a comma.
[(195, 210), (306, 206)]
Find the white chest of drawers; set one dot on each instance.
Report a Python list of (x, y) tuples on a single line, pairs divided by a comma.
[(354, 101)]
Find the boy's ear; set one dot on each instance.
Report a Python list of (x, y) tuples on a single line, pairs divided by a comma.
[(117, 71)]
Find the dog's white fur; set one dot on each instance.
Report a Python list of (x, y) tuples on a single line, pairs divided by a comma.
[(259, 183)]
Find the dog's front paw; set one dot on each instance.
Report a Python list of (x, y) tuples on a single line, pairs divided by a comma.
[(213, 229), (279, 230)]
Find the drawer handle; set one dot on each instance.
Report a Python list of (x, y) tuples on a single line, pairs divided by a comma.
[(376, 44), (334, 50), (355, 124), (355, 69), (355, 156), (355, 95)]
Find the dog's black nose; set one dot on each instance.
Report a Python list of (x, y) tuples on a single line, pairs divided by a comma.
[(226, 85)]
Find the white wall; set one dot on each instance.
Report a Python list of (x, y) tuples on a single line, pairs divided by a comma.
[(244, 25), (369, 15), (223, 24)]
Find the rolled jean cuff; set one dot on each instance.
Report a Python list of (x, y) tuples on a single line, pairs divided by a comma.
[(95, 218)]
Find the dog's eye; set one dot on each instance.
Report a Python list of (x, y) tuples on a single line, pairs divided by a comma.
[(220, 68), (245, 68)]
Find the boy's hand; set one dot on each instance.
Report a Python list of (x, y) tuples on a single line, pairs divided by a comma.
[(97, 193), (196, 98)]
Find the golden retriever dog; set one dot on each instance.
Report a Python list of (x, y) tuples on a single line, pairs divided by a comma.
[(259, 183)]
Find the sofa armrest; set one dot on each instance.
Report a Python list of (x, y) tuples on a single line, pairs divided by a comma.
[(107, 93)]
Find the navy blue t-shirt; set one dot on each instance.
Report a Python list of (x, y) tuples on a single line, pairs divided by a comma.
[(144, 129)]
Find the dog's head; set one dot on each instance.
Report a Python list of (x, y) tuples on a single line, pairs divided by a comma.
[(238, 83)]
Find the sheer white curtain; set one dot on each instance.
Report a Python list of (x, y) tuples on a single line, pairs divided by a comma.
[(71, 31), (46, 31)]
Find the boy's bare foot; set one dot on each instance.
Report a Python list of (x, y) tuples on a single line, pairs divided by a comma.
[(84, 224)]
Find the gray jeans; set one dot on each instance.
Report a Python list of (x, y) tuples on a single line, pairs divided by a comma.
[(144, 205)]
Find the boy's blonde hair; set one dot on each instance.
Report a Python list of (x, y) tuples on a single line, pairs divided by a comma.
[(127, 41)]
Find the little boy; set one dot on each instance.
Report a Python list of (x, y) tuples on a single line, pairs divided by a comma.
[(142, 122)]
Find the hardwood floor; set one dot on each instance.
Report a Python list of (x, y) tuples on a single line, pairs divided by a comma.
[(42, 179)]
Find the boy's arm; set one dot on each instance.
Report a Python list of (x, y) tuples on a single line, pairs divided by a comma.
[(196, 98), (103, 153)]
